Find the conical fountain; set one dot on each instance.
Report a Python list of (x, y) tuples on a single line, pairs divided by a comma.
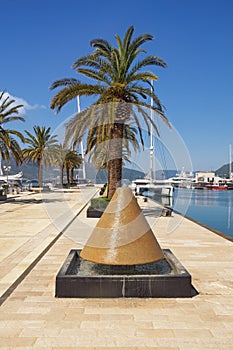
[(122, 235), (122, 258)]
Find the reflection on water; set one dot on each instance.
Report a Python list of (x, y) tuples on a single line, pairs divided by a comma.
[(209, 207), (165, 201)]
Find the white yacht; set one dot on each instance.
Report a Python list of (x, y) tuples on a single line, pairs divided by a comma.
[(15, 177), (9, 177), (143, 186), (182, 180)]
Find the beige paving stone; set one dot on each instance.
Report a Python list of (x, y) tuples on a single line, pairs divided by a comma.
[(189, 333), (9, 331), (155, 333), (41, 332), (84, 318), (15, 342), (9, 244), (70, 341), (114, 317)]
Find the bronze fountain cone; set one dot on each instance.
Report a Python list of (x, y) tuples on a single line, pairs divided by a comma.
[(122, 235)]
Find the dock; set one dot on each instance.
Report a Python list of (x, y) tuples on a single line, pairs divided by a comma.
[(38, 231)]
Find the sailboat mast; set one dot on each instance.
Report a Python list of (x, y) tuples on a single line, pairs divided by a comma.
[(81, 143), (151, 137), (1, 173), (230, 162)]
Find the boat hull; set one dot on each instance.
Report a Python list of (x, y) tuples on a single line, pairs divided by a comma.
[(217, 187), (161, 190)]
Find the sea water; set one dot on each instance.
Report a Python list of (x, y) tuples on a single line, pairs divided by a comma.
[(212, 208)]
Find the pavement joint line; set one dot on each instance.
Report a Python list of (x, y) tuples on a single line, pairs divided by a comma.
[(15, 284)]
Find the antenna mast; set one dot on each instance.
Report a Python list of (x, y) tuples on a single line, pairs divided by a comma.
[(151, 137), (230, 162), (81, 143)]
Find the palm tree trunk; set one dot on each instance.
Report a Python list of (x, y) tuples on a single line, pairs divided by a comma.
[(72, 174), (61, 174), (115, 159), (40, 175), (67, 174)]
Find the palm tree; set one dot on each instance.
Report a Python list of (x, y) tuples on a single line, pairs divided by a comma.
[(72, 160), (122, 88), (8, 144), (66, 159), (41, 148), (99, 151), (59, 159)]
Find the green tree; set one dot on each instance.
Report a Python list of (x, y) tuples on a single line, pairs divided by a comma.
[(8, 143), (41, 149), (59, 159), (66, 159), (123, 89), (72, 160)]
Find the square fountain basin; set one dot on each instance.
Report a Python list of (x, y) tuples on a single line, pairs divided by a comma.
[(71, 284)]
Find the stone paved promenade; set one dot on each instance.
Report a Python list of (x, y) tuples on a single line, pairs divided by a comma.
[(36, 237)]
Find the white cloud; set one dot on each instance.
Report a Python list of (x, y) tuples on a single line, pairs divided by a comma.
[(21, 101)]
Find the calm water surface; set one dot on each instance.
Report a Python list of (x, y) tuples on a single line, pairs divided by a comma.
[(209, 207)]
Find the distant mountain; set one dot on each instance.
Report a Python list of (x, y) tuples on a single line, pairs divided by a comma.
[(30, 171), (223, 171), (165, 174), (127, 174)]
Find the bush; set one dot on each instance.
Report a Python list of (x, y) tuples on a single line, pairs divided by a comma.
[(99, 203), (102, 190)]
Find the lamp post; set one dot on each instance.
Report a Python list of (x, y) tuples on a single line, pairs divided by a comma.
[(7, 168)]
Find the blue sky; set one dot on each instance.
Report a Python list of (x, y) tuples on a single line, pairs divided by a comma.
[(41, 39)]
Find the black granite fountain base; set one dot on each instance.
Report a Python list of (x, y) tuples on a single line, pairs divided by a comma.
[(80, 278)]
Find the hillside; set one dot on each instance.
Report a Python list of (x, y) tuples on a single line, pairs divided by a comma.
[(30, 172), (223, 171)]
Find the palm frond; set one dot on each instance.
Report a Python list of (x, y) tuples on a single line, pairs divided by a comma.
[(64, 82)]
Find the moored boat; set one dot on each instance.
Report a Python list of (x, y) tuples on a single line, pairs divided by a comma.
[(141, 186), (219, 187)]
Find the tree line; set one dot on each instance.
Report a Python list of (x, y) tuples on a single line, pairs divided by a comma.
[(42, 147)]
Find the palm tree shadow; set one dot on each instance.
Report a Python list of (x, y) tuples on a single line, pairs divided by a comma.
[(32, 201)]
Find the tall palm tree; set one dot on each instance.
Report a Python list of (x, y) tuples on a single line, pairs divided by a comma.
[(41, 149), (123, 91), (8, 143)]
